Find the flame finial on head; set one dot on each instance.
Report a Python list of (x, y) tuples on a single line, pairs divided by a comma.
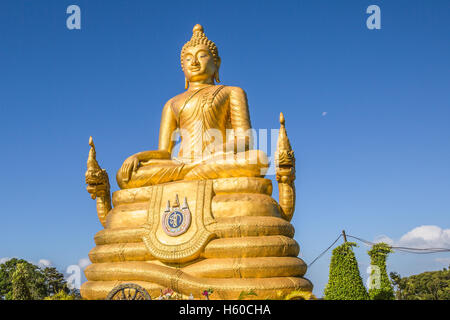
[(198, 28)]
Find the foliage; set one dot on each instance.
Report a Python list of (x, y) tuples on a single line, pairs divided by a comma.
[(76, 294), (344, 282), (378, 255), (21, 283), (22, 280), (54, 281), (245, 294), (433, 285), (300, 295), (6, 271), (61, 295), (207, 293)]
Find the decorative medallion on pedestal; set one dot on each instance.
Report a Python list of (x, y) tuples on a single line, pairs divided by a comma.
[(179, 233), (176, 221)]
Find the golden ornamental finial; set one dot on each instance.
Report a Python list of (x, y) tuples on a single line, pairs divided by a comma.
[(282, 119), (168, 206), (185, 205), (283, 143), (176, 202), (92, 163)]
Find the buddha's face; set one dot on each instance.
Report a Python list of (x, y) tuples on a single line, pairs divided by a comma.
[(198, 63)]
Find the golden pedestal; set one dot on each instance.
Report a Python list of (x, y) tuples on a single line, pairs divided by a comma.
[(237, 240)]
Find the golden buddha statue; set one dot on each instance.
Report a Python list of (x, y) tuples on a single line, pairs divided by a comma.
[(227, 233), (203, 113)]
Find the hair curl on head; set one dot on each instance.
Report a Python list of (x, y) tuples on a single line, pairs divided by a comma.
[(199, 37)]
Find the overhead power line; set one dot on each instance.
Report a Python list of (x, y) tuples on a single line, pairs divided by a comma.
[(320, 255), (396, 248), (405, 249)]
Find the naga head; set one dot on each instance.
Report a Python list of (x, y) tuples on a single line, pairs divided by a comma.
[(284, 158), (96, 177)]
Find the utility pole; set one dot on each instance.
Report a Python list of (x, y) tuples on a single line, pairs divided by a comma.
[(345, 236)]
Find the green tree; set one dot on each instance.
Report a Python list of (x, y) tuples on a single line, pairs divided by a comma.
[(29, 272), (21, 280), (54, 281), (398, 284), (6, 270), (432, 285), (345, 282), (378, 255), (61, 295), (76, 294), (31, 281)]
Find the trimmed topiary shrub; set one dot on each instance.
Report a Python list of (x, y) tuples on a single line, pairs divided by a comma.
[(345, 282), (380, 287)]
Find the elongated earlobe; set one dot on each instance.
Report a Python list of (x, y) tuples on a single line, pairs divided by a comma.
[(216, 76), (186, 83)]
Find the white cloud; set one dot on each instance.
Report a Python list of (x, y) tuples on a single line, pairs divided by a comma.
[(426, 237), (4, 259), (44, 263), (84, 262), (420, 237), (385, 239), (324, 113), (445, 261)]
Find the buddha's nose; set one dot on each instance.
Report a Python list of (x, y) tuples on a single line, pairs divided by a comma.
[(194, 62)]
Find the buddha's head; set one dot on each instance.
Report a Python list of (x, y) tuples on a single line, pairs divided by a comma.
[(200, 59)]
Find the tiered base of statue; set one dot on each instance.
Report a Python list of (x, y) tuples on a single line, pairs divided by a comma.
[(228, 235)]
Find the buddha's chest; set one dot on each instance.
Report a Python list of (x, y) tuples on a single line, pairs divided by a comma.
[(208, 109)]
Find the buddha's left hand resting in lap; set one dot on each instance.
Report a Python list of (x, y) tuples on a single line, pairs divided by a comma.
[(203, 115)]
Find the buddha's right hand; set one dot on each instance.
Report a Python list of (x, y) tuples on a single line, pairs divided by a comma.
[(129, 166)]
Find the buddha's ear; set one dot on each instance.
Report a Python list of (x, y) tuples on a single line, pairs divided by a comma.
[(218, 63), (216, 74)]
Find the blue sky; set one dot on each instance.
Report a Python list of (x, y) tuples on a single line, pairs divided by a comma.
[(367, 112)]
